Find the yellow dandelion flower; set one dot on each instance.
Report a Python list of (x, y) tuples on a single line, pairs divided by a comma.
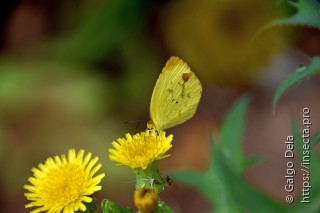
[(145, 200), (140, 150), (63, 183)]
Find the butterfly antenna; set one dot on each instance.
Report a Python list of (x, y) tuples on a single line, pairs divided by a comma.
[(131, 181)]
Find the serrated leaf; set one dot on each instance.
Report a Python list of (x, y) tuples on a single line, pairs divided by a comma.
[(299, 74), (109, 207), (307, 15)]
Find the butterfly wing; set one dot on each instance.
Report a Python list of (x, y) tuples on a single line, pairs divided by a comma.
[(176, 95)]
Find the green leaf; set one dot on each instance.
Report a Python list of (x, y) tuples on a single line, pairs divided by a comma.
[(254, 160), (240, 191), (109, 207), (299, 74), (210, 183), (222, 183), (232, 132), (307, 15)]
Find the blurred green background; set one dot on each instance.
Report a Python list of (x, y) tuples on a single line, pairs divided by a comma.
[(80, 74)]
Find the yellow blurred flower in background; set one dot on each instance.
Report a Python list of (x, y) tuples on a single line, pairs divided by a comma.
[(63, 184), (140, 150), (216, 37)]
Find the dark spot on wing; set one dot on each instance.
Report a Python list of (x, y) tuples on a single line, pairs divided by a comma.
[(174, 100), (186, 76)]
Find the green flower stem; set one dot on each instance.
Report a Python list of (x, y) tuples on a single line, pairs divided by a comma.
[(150, 177)]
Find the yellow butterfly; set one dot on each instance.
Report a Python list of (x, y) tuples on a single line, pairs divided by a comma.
[(175, 97)]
